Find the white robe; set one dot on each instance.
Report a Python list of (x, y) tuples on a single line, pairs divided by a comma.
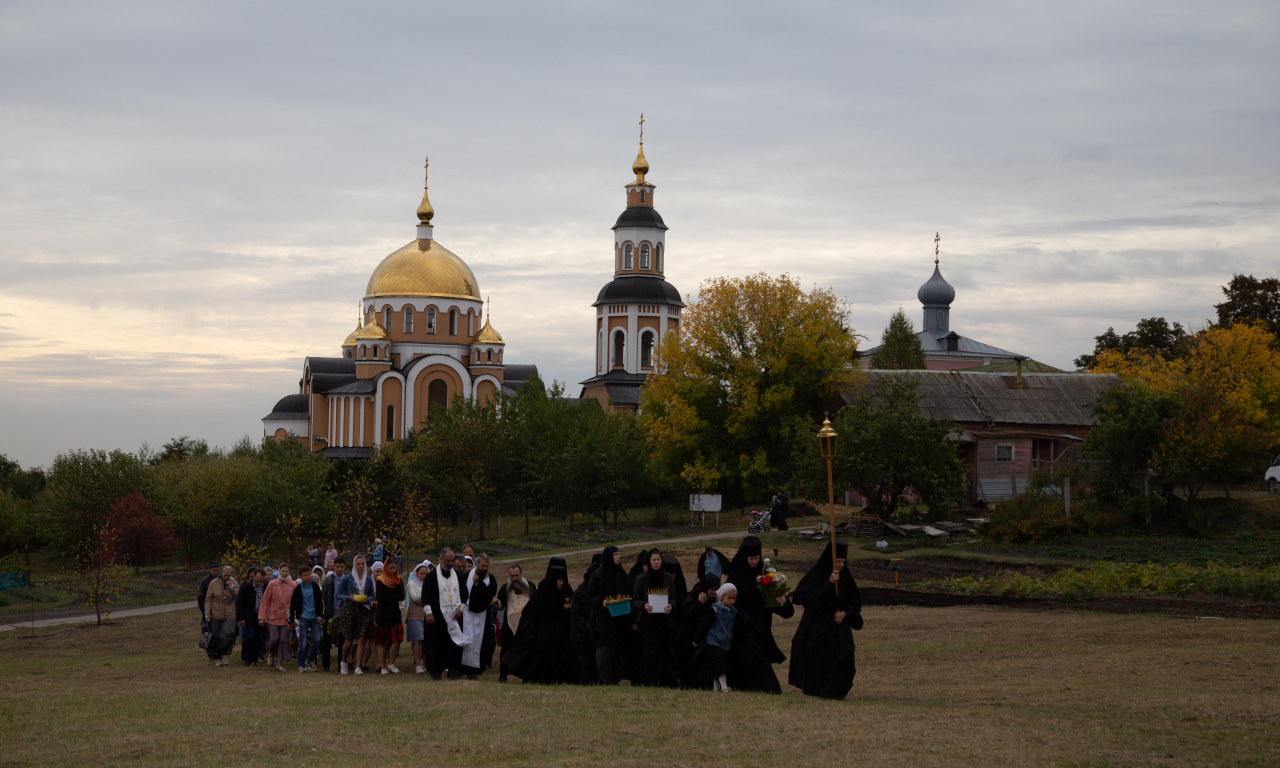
[(473, 630), (450, 604)]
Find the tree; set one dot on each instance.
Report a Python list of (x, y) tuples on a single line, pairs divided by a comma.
[(887, 450), (463, 450), (102, 579), (181, 448), (136, 535), (752, 356), (81, 488), (899, 346), (1222, 421), (1153, 333), (1251, 299)]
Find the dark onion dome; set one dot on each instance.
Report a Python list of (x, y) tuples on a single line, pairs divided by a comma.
[(641, 216), (639, 289), (292, 404), (936, 290)]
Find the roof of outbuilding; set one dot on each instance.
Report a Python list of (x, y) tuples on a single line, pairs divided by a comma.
[(992, 398)]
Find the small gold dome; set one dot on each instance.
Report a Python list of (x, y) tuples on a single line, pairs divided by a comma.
[(352, 337), (372, 331), (488, 335), (640, 167), (423, 268)]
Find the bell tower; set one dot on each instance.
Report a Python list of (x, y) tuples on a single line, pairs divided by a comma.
[(638, 307)]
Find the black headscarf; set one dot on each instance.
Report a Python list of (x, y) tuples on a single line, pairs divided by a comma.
[(741, 574), (613, 580), (806, 592)]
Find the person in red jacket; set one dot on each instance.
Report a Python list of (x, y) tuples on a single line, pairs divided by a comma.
[(274, 613)]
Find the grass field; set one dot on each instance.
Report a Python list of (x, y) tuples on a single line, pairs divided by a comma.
[(935, 687)]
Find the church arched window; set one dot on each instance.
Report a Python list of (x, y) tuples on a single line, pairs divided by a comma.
[(646, 350), (431, 319), (644, 255), (408, 319), (657, 257), (619, 347), (626, 256), (386, 318), (362, 351), (437, 396), (391, 422), (488, 356), (453, 322)]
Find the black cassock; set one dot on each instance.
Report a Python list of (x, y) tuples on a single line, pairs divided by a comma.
[(822, 650), (541, 651), (442, 652), (753, 675)]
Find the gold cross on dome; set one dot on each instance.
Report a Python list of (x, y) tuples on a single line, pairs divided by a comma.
[(641, 127)]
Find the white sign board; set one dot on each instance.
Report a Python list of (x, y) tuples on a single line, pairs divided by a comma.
[(704, 502)]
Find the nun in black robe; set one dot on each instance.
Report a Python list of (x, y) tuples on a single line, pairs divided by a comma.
[(613, 634), (757, 641), (541, 652), (822, 651), (697, 606), (655, 630), (582, 616)]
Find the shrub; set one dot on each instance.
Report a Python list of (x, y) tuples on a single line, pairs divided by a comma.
[(1032, 518)]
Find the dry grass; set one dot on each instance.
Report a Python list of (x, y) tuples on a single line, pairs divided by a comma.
[(936, 687)]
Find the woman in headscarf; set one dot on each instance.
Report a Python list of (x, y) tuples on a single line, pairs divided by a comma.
[(655, 612), (611, 594), (696, 607), (388, 629), (354, 615), (582, 613), (747, 566), (822, 651), (542, 652), (414, 616)]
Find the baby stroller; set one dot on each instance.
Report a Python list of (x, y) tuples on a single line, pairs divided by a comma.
[(759, 522)]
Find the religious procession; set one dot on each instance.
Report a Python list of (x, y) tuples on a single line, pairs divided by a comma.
[(642, 624)]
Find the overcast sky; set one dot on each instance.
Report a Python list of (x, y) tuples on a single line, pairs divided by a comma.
[(193, 195)]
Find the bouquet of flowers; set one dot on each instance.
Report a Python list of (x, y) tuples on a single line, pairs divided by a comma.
[(772, 582)]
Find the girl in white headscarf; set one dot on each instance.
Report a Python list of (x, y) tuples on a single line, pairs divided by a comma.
[(415, 616)]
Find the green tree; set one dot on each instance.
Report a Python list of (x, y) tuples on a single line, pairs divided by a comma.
[(899, 346), (1153, 333), (462, 449), (1131, 422), (887, 449), (181, 448), (752, 356), (1251, 299), (82, 487)]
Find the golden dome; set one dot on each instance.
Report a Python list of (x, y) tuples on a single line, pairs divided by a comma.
[(352, 337), (640, 167), (423, 268), (488, 335), (372, 331)]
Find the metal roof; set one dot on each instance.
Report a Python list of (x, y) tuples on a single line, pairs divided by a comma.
[(993, 398)]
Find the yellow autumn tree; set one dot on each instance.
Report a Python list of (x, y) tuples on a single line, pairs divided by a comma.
[(1224, 413), (753, 362)]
